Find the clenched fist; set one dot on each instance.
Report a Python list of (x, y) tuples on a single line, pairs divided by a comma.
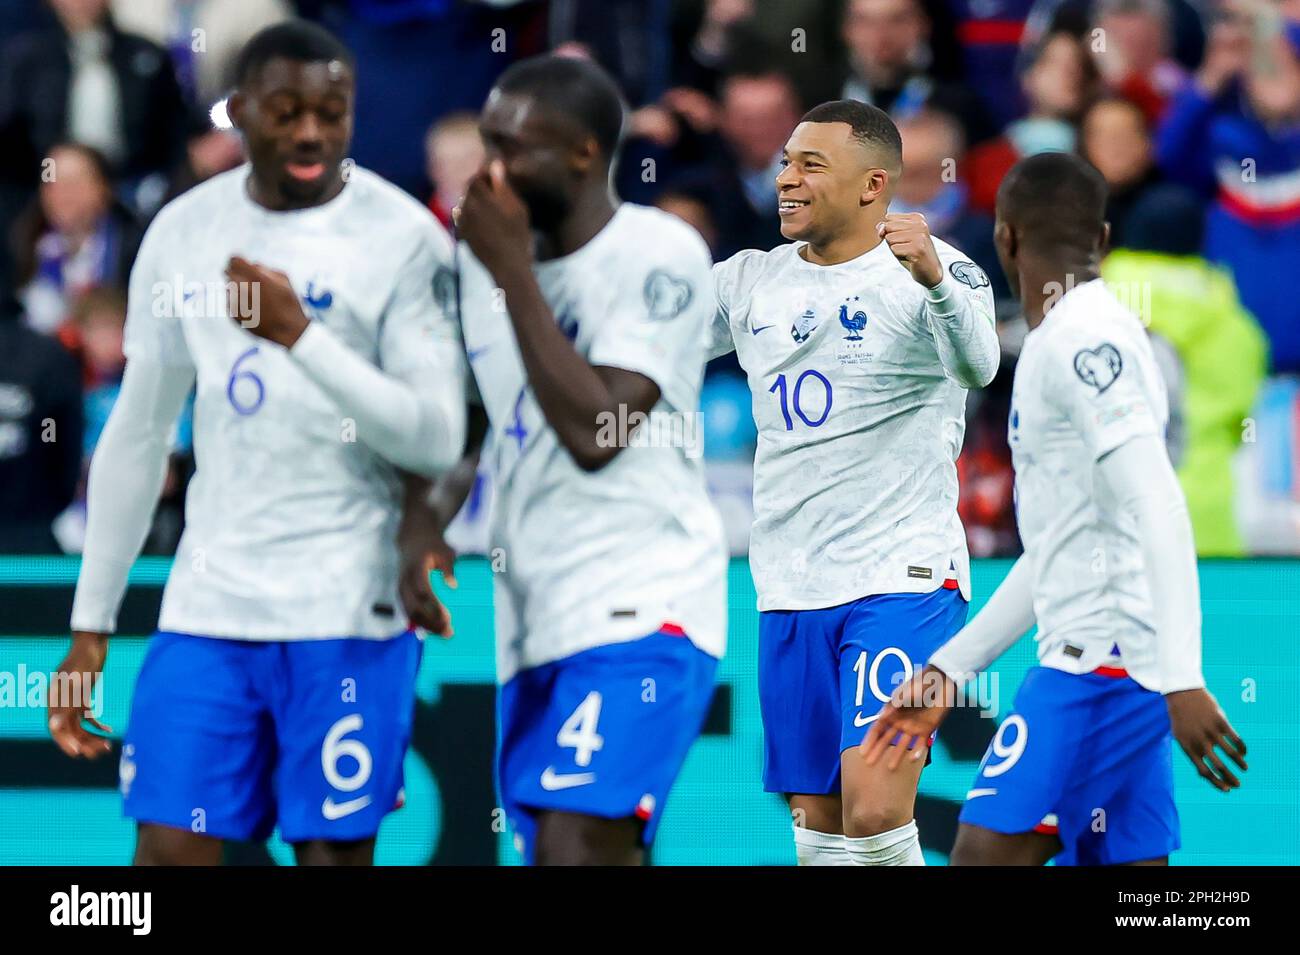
[(909, 239)]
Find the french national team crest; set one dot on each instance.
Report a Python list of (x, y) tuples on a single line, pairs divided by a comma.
[(852, 348), (804, 326), (855, 322), (318, 299)]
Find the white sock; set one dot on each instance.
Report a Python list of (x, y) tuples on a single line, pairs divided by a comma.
[(819, 848), (901, 846)]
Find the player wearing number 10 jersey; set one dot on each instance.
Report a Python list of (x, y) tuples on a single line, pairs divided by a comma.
[(859, 341), (280, 688)]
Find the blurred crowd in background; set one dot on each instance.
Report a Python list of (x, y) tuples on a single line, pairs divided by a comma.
[(1189, 108)]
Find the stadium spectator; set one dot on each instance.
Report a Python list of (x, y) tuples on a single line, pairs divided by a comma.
[(1115, 138), (693, 209), (208, 151), (1186, 26), (990, 33), (1234, 134), (40, 434), (1194, 306), (933, 151), (75, 236), (1133, 46), (759, 111), (420, 60), (797, 37), (891, 65), (100, 320), (1059, 82), (453, 151), (85, 80), (629, 38), (203, 37)]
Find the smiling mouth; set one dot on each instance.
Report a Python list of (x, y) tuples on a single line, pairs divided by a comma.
[(790, 206)]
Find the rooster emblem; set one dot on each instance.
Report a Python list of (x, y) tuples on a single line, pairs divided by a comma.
[(855, 324)]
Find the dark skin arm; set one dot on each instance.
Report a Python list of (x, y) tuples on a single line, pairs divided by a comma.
[(426, 512), (67, 717), (1200, 726), (572, 394)]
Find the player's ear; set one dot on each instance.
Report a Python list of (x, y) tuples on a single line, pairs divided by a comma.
[(585, 155), (235, 109), (1004, 237), (875, 186)]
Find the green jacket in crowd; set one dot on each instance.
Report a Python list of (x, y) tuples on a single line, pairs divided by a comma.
[(1194, 306)]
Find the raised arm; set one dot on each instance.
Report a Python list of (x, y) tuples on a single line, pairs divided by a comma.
[(958, 300), (657, 323), (410, 411)]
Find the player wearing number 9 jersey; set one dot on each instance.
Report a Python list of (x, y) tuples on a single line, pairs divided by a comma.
[(859, 340), (1082, 770), (279, 690)]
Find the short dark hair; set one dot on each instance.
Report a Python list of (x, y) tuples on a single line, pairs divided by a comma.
[(298, 40), (1058, 200), (870, 125), (578, 88)]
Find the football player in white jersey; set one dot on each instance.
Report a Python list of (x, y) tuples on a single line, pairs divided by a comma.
[(295, 296), (1081, 770), (582, 319), (860, 340)]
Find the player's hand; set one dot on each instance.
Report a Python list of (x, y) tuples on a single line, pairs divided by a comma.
[(908, 236), (277, 314), (423, 551), (422, 605), (494, 221), (1199, 726), (70, 697), (915, 711)]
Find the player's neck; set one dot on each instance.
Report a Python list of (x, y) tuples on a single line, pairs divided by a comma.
[(1042, 286), (268, 197), (842, 248), (589, 215)]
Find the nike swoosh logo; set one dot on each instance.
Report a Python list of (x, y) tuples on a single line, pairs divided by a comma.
[(337, 810), (473, 353), (755, 331), (976, 793), (551, 780), (860, 720)]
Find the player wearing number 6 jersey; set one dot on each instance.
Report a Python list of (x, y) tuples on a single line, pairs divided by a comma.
[(860, 340), (1082, 768), (279, 690)]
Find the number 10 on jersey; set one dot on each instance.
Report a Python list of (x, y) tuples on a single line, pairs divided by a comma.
[(782, 390)]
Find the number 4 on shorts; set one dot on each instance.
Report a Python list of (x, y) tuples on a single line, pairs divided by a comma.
[(579, 730)]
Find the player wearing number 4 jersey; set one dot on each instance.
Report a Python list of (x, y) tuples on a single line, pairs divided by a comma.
[(859, 340), (610, 599), (280, 688), (1082, 769)]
